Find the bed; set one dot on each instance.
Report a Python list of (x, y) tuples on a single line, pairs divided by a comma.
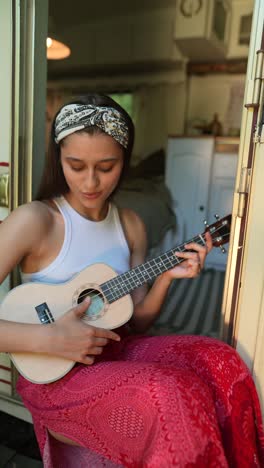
[(151, 200), (144, 191)]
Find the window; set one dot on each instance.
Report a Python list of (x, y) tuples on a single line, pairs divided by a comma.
[(125, 100)]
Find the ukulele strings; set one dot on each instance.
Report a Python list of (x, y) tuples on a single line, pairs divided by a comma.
[(180, 260)]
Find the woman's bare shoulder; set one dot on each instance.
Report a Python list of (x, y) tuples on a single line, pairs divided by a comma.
[(22, 233), (28, 224), (30, 214)]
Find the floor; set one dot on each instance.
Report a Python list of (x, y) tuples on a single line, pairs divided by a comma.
[(202, 295), (18, 445)]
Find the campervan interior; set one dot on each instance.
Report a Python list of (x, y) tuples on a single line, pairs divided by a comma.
[(179, 69)]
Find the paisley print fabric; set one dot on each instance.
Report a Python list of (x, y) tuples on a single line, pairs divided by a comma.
[(152, 402), (74, 117)]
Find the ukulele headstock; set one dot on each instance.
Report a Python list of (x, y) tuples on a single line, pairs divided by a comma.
[(220, 231)]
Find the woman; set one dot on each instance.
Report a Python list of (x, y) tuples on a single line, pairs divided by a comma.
[(130, 400)]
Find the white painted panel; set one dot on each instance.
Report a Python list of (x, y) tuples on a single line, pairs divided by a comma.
[(5, 374), (225, 165), (6, 101), (188, 168), (220, 203), (5, 388), (5, 359), (5, 82)]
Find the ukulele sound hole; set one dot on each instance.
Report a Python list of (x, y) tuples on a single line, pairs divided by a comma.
[(96, 307)]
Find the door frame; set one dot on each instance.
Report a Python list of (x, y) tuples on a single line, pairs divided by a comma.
[(243, 307), (23, 35)]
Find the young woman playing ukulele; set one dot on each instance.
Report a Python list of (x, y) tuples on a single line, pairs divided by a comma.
[(130, 400)]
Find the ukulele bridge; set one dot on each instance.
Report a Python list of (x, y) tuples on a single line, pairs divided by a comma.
[(44, 314)]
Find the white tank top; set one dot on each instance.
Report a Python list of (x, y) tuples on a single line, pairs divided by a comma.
[(85, 242)]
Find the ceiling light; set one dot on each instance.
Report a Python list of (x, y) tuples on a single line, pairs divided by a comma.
[(57, 50)]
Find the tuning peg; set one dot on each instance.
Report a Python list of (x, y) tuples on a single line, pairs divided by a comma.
[(216, 216), (223, 250), (206, 223)]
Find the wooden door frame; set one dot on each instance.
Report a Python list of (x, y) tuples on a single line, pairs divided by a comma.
[(243, 295)]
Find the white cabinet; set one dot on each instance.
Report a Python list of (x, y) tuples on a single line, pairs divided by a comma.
[(200, 173), (188, 170), (241, 20), (202, 28), (221, 194)]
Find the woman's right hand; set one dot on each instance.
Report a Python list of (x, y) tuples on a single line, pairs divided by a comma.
[(73, 339)]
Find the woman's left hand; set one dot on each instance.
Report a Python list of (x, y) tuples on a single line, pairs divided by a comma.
[(194, 260)]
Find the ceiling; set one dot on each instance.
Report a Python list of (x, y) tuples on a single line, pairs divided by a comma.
[(79, 23), (68, 24), (64, 13)]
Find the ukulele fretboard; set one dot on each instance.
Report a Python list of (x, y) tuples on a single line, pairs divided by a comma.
[(123, 284)]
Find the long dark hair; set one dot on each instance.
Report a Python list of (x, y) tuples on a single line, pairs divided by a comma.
[(53, 182)]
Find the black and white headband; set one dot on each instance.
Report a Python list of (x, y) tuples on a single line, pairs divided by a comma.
[(74, 117)]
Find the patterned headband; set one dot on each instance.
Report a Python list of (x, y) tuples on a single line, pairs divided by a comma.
[(74, 117)]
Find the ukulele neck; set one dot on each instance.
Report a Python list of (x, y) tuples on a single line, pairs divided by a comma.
[(125, 283)]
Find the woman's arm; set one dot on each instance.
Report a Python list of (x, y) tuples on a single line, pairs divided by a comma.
[(148, 309), (69, 337), (21, 235), (148, 303)]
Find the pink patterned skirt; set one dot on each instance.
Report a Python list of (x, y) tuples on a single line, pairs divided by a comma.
[(152, 402)]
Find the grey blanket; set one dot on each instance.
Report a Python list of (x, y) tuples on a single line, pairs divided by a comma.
[(151, 200)]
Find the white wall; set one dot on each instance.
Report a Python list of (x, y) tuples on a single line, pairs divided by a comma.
[(160, 112), (221, 94), (5, 85), (6, 130), (167, 108)]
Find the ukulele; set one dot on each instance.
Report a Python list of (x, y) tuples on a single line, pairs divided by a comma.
[(110, 307)]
